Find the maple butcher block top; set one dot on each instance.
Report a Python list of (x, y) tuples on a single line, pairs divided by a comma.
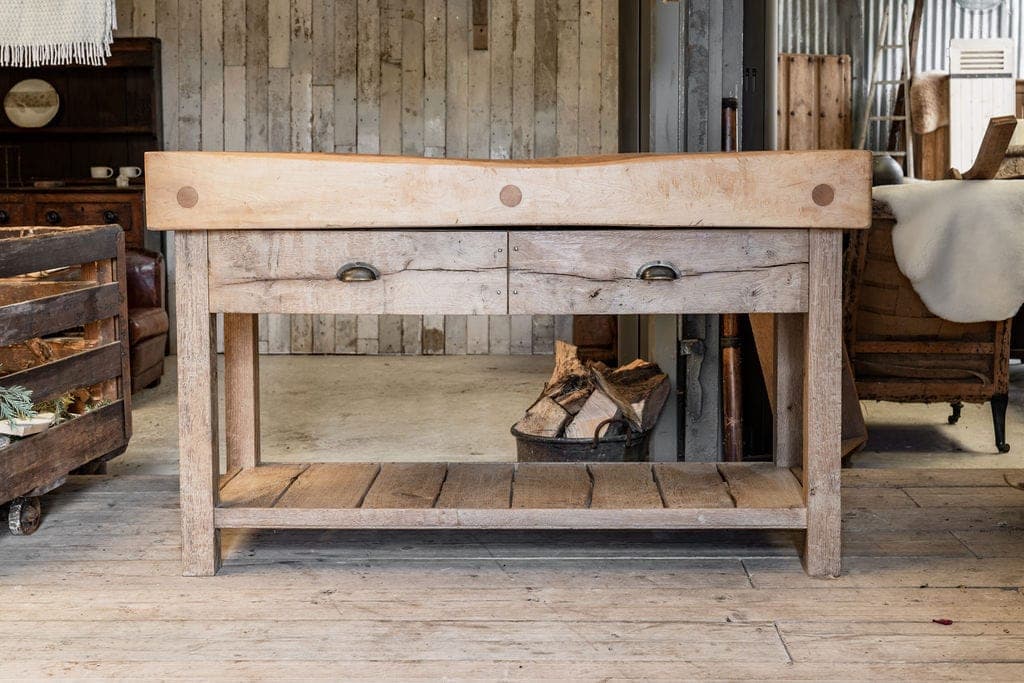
[(255, 190)]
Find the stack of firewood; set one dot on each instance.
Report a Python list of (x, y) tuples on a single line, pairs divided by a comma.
[(582, 398)]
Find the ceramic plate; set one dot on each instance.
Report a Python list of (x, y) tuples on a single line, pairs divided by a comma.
[(31, 103)]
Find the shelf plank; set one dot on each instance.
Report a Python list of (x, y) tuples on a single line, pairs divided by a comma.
[(692, 485), (623, 486), (406, 485), (762, 485), (477, 485), (259, 486), (330, 485), (517, 518), (542, 485)]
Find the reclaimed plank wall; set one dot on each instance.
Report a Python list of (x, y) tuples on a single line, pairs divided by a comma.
[(389, 77)]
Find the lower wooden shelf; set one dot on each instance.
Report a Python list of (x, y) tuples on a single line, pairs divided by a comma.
[(512, 495)]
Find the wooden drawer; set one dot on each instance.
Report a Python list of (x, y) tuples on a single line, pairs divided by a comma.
[(293, 271), (84, 213), (12, 213), (717, 271)]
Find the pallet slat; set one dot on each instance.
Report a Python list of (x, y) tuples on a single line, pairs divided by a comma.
[(25, 320), (62, 247), (83, 369), (49, 455)]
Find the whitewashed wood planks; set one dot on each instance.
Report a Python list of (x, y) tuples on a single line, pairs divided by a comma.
[(293, 74)]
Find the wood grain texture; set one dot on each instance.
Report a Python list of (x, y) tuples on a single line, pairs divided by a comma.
[(301, 277), (692, 485), (546, 485), (197, 408), (406, 485), (328, 191), (623, 486), (242, 390), (330, 485), (477, 485), (597, 272), (382, 76), (761, 485), (259, 486), (823, 405), (788, 376)]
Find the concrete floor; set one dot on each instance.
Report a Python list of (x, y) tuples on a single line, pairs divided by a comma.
[(338, 408)]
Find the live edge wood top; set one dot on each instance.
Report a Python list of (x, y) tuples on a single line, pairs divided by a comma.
[(239, 190)]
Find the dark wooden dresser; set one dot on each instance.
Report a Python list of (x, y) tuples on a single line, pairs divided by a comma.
[(78, 205), (108, 116)]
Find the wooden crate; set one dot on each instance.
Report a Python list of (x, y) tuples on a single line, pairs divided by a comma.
[(815, 102), (33, 307), (900, 351)]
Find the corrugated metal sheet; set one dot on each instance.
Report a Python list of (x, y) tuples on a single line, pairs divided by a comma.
[(815, 27)]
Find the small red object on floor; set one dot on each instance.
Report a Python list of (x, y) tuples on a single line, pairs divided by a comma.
[(944, 622)]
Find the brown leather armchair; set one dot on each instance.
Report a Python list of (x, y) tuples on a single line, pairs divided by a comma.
[(147, 317)]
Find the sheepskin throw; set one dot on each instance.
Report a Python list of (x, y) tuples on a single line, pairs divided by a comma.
[(961, 245), (41, 32), (929, 101)]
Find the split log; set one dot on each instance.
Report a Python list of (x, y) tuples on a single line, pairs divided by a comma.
[(544, 418), (598, 408), (567, 365)]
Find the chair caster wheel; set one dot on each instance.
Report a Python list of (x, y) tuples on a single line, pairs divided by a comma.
[(954, 417), (1003, 447), (24, 515)]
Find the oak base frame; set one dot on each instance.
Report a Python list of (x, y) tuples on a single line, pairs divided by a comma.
[(293, 233), (807, 436)]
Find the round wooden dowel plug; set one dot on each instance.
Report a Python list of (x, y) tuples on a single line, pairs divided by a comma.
[(511, 196), (187, 197), (823, 195)]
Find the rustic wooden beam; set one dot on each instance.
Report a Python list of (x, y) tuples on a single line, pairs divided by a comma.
[(237, 190)]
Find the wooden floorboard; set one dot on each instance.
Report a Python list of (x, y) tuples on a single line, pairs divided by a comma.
[(97, 592)]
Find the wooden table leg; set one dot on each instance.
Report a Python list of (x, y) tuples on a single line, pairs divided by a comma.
[(197, 407), (789, 388), (242, 389), (823, 404)]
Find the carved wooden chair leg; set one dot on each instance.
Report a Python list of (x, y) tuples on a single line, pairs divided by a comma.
[(999, 405), (957, 407)]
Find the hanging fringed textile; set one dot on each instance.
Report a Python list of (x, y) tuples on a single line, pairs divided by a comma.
[(42, 32)]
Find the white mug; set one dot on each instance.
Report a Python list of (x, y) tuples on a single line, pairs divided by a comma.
[(129, 171), (100, 172)]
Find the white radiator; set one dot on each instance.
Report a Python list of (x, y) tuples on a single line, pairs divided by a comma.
[(981, 85)]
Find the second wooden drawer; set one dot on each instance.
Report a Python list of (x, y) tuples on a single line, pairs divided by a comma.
[(299, 271), (658, 271)]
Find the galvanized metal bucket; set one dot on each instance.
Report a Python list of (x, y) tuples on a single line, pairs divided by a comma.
[(628, 447)]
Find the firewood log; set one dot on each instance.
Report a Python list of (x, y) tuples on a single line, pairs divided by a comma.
[(544, 418), (598, 408)]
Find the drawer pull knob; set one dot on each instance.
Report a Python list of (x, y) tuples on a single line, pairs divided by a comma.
[(110, 216), (657, 270), (358, 272), (52, 217), (5, 217)]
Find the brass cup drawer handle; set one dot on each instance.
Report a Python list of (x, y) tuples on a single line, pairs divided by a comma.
[(358, 272), (657, 271)]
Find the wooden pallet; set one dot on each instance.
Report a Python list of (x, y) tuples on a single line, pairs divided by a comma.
[(508, 495)]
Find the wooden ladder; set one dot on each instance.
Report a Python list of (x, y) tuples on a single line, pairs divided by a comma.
[(903, 119)]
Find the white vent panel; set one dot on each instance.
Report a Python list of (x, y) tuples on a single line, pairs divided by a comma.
[(981, 86)]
